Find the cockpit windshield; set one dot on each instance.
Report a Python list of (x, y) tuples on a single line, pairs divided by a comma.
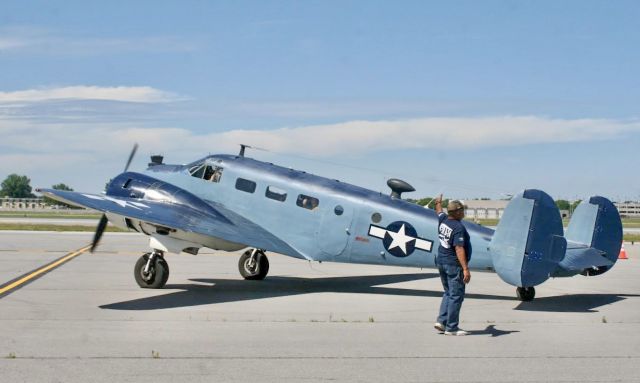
[(206, 172)]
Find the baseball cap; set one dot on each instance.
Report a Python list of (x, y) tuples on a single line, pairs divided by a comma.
[(454, 205)]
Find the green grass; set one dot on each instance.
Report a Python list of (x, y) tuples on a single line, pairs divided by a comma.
[(47, 227), (632, 237), (28, 214)]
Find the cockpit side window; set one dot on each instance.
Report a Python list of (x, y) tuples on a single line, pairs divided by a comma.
[(213, 173), (206, 172)]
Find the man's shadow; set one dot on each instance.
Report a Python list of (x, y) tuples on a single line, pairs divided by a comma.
[(492, 331)]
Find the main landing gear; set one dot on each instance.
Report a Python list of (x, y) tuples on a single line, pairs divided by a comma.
[(526, 294), (151, 270), (253, 264)]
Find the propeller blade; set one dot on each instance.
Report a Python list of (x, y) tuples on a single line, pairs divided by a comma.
[(133, 153), (99, 231)]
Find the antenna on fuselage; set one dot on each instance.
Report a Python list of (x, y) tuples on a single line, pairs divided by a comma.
[(242, 148)]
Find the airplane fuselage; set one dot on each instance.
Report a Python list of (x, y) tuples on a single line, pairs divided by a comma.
[(320, 218)]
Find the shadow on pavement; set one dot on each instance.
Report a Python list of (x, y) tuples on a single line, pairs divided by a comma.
[(212, 291), (492, 330), (576, 303)]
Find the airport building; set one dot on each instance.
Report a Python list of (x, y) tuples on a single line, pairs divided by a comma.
[(628, 209), (7, 203), (485, 209)]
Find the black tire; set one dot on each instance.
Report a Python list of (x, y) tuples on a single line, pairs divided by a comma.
[(158, 272), (165, 267), (257, 273), (526, 294)]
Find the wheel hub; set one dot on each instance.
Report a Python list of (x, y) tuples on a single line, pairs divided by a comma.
[(251, 266), (147, 276)]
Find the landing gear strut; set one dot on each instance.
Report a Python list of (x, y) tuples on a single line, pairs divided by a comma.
[(151, 270), (526, 294), (253, 264)]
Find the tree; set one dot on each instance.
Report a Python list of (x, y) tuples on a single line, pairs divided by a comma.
[(430, 202), (563, 204), (15, 186), (60, 186)]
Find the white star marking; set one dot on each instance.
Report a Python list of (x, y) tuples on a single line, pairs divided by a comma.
[(400, 239), (135, 205)]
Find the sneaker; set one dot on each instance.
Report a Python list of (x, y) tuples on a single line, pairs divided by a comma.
[(438, 326), (456, 333)]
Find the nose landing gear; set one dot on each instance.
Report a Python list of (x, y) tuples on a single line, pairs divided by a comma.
[(151, 270), (253, 264)]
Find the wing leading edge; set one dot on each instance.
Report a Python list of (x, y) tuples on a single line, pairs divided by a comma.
[(216, 221)]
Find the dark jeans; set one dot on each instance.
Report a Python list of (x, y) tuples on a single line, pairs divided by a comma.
[(453, 283)]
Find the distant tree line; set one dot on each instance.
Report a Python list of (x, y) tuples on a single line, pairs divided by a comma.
[(17, 186), (430, 203)]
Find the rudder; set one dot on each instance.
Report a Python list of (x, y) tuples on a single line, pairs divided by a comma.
[(528, 243)]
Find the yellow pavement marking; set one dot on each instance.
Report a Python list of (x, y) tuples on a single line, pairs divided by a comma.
[(43, 269)]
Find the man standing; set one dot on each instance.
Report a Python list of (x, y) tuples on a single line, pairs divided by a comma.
[(453, 258)]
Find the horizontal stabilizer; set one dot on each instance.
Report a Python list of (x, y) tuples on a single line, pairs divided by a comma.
[(579, 258)]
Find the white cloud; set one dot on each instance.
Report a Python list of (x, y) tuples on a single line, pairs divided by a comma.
[(28, 39), (140, 94), (429, 133), (7, 43), (86, 155)]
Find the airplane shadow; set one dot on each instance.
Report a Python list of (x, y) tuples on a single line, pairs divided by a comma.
[(213, 291), (576, 303)]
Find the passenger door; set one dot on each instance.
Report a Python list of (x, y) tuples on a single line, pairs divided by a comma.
[(335, 226)]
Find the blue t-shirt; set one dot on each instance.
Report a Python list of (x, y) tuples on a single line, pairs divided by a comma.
[(451, 233)]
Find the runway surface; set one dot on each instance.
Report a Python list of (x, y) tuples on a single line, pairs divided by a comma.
[(87, 320)]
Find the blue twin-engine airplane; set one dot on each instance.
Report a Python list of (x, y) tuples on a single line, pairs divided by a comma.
[(231, 202)]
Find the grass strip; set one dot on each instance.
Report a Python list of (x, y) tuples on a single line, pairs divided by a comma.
[(46, 227), (49, 215)]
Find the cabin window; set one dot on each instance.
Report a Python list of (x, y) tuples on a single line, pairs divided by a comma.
[(376, 217), (307, 202), (126, 184), (245, 185), (276, 194), (338, 210)]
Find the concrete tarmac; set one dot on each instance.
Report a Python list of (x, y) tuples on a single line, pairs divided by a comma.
[(88, 321)]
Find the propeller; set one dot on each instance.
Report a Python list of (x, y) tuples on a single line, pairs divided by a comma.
[(102, 225), (133, 153)]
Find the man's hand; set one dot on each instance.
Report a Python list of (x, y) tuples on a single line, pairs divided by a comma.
[(466, 274), (438, 206)]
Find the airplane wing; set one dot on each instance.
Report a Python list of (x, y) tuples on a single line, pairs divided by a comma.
[(213, 220)]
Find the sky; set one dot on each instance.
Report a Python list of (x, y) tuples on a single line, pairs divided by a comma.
[(467, 98)]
